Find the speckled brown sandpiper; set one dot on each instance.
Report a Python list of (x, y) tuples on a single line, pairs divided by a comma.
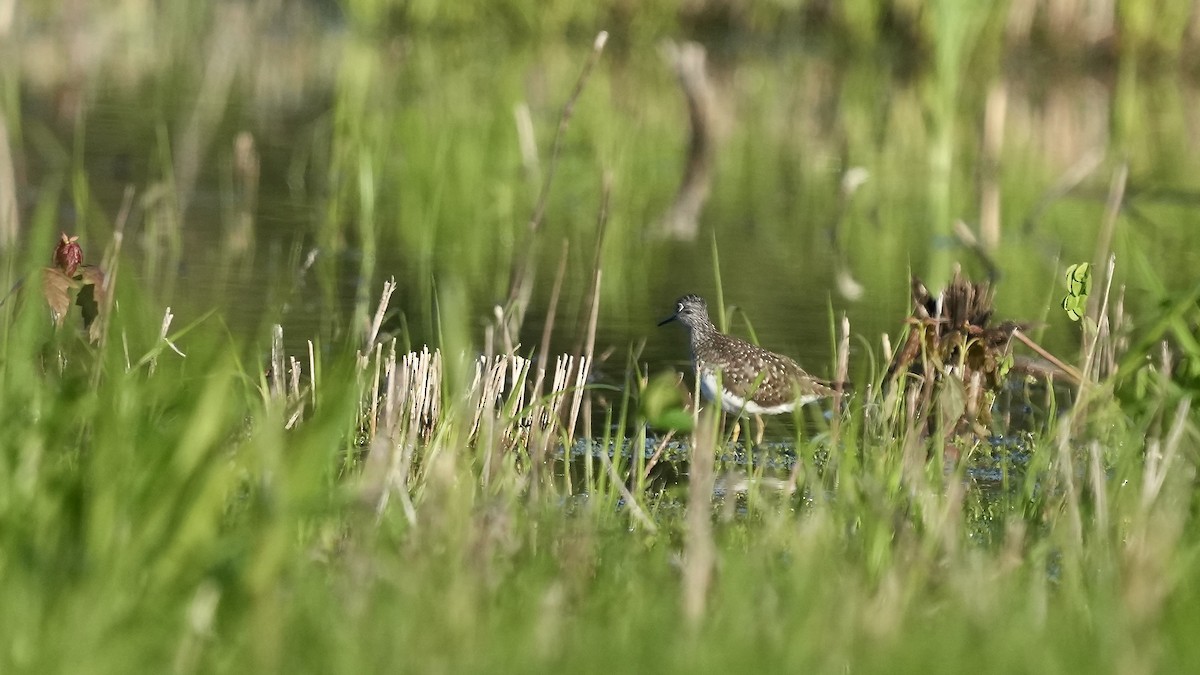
[(752, 379)]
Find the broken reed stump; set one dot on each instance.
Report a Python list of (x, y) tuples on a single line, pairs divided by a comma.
[(405, 396), (954, 361)]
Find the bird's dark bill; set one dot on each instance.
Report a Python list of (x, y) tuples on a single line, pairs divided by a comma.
[(668, 320)]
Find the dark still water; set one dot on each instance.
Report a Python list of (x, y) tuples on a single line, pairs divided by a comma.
[(287, 179)]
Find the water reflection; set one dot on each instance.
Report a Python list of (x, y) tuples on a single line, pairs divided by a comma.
[(401, 158)]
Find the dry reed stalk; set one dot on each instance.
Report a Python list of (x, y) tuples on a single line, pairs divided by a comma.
[(526, 141), (1067, 370), (540, 448), (372, 331), (551, 314), (398, 393), (424, 392), (225, 50), (658, 451), (839, 382), (390, 409), (295, 373), (487, 388), (374, 393), (407, 407), (501, 376), (631, 502), (577, 392), (1089, 371), (1159, 462), (10, 224), (7, 11), (312, 373), (518, 377), (1112, 210), (275, 383), (296, 398), (548, 419), (531, 425), (403, 400), (110, 266), (995, 112), (1150, 540), (700, 553), (521, 281), (163, 331), (564, 120), (587, 356)]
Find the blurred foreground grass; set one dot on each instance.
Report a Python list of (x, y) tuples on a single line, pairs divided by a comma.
[(170, 514)]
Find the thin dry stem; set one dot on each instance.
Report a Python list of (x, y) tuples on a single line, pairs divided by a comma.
[(1159, 462), (840, 379), (9, 220), (1112, 210), (594, 309), (1100, 320), (631, 502), (275, 384), (995, 112), (551, 314), (372, 333), (521, 282), (312, 373), (700, 553), (1067, 370), (110, 266), (526, 140), (374, 391), (658, 452)]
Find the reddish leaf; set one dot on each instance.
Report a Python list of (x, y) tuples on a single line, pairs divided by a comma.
[(70, 273), (56, 287)]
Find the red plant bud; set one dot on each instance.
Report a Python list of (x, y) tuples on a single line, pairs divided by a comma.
[(67, 255)]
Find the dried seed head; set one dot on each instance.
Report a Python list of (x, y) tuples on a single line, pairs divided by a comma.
[(67, 255)]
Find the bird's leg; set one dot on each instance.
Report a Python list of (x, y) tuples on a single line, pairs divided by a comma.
[(737, 431), (761, 428)]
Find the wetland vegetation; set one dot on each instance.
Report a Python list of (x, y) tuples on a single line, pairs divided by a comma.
[(353, 364)]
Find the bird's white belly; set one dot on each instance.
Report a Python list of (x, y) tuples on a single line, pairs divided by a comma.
[(736, 404)]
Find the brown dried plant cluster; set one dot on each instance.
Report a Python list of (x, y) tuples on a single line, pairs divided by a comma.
[(954, 359), (69, 279)]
